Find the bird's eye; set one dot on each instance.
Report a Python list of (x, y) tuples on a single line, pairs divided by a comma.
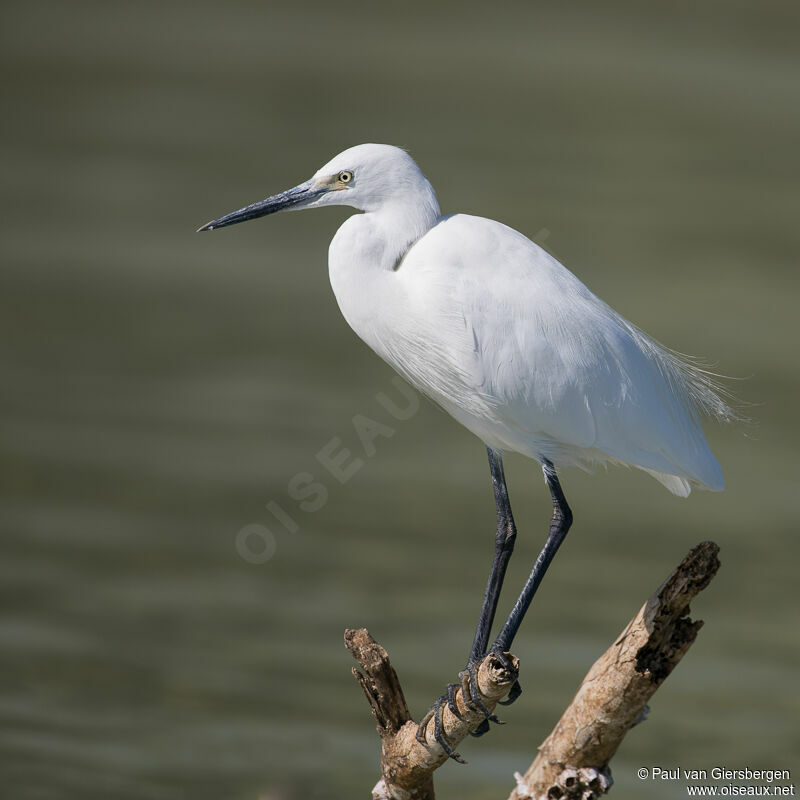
[(345, 177)]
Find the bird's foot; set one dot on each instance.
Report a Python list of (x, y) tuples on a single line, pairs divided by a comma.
[(435, 713), (516, 690), (471, 698)]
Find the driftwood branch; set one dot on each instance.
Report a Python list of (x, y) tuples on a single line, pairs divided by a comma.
[(407, 765), (573, 760), (572, 763)]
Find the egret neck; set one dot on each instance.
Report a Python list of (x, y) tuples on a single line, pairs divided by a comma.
[(367, 251)]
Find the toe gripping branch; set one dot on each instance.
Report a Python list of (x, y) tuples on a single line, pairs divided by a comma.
[(410, 753), (467, 707)]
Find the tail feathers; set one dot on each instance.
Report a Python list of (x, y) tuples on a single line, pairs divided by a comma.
[(678, 486), (681, 486)]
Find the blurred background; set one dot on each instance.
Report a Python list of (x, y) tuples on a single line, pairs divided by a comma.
[(161, 388)]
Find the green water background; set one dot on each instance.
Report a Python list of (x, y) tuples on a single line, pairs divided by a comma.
[(159, 388)]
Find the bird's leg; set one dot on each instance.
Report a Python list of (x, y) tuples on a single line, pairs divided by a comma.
[(559, 525), (503, 547)]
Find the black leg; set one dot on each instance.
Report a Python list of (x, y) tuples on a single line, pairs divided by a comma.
[(503, 547), (559, 525)]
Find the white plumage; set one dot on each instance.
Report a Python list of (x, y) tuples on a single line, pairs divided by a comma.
[(514, 346), (499, 333), (508, 341)]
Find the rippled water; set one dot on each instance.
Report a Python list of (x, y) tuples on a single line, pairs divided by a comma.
[(160, 389)]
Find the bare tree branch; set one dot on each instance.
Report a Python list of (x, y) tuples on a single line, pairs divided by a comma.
[(573, 761), (407, 765)]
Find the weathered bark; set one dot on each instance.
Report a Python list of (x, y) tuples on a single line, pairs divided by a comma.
[(572, 763), (573, 760), (407, 765)]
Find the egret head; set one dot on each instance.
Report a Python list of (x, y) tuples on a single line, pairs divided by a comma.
[(367, 177)]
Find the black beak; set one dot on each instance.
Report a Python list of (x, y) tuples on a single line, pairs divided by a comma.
[(300, 196)]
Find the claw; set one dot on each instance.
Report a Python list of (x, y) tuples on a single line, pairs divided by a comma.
[(504, 659), (481, 729), (514, 693), (438, 733), (435, 713), (423, 724), (451, 701), (471, 695)]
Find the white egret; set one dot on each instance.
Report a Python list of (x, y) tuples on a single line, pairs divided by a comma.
[(507, 340)]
